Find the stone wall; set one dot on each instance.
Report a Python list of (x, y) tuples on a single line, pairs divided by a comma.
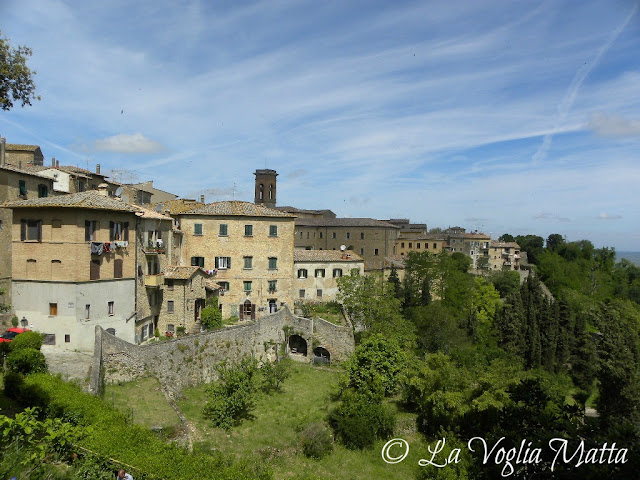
[(187, 361)]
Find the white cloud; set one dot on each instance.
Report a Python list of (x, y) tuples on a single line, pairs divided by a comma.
[(606, 216), (136, 143), (614, 125)]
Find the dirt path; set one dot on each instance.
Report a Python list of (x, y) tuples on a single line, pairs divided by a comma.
[(191, 431)]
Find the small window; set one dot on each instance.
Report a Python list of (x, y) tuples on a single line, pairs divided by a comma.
[(333, 235), (434, 245), (223, 263), (273, 230), (53, 309), (90, 229), (94, 271), (320, 235), (117, 268), (81, 187), (319, 293), (67, 338), (31, 230), (169, 284), (302, 273), (248, 263), (224, 230), (118, 231), (110, 308), (224, 286), (23, 187), (361, 235), (171, 328), (337, 272), (402, 245), (348, 235), (273, 286), (170, 306), (362, 251), (410, 245), (87, 312), (273, 263), (375, 251), (197, 262), (43, 191), (418, 245), (319, 272), (301, 293), (145, 332), (247, 286), (197, 229), (248, 230)]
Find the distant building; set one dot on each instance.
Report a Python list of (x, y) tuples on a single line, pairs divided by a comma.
[(504, 256), (421, 242), (316, 272)]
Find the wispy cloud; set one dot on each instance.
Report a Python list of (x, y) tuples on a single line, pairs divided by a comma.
[(607, 216), (135, 143), (614, 125)]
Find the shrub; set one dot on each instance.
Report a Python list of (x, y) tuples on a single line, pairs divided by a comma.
[(12, 383), (26, 360), (27, 340), (274, 374), (316, 440), (14, 321), (180, 331), (358, 422), (211, 316)]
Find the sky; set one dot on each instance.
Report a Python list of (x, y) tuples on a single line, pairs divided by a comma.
[(503, 116)]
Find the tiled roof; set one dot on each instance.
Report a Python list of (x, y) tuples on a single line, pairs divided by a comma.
[(422, 236), (24, 171), (174, 272), (89, 199), (343, 222), (21, 147), (245, 209), (495, 244), (211, 285), (177, 206), (477, 235), (301, 210), (325, 256), (146, 213), (78, 171)]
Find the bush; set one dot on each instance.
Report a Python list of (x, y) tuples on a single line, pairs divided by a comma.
[(316, 440), (26, 360), (211, 316), (274, 374), (27, 340), (180, 331), (12, 383), (14, 321), (358, 422)]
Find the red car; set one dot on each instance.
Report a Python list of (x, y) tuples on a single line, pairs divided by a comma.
[(11, 333)]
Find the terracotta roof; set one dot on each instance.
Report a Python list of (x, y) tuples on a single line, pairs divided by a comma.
[(174, 272), (89, 199), (477, 235), (245, 209), (177, 206), (325, 256), (146, 213), (496, 244), (211, 285), (344, 222), (422, 236), (24, 171)]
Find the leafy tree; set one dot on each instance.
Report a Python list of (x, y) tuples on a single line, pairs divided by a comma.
[(437, 328), (555, 241), (232, 397), (4, 307), (505, 282), (26, 360), (274, 374), (506, 237), (27, 340), (211, 316), (394, 280), (484, 301), (532, 244), (16, 79), (316, 440)]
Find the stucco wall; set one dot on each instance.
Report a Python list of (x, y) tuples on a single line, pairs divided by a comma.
[(190, 360)]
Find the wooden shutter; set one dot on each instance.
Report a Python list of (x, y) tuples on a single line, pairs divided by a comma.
[(241, 310), (23, 230), (94, 273), (111, 231), (39, 223), (117, 268), (253, 311), (228, 262), (126, 231), (216, 263)]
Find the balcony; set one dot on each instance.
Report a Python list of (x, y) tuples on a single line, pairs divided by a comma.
[(152, 248), (506, 253), (154, 281)]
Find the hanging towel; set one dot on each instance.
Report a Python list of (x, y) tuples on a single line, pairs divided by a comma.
[(121, 244), (107, 247), (97, 248)]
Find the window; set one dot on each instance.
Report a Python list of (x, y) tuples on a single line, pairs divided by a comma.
[(224, 230), (153, 268), (224, 286), (320, 236), (223, 263), (362, 251), (170, 306), (90, 228), (94, 271), (417, 245), (118, 231), (301, 293), (402, 245), (273, 230), (319, 293), (319, 272), (348, 235), (261, 192), (273, 286), (31, 230), (375, 251), (337, 272), (110, 308), (361, 235), (169, 284), (170, 327), (434, 245), (80, 186), (248, 263), (67, 338), (197, 229), (87, 312), (302, 273), (145, 332), (43, 191), (410, 245), (247, 286), (273, 263), (117, 268), (22, 185), (333, 235), (197, 262), (248, 230), (53, 309), (308, 235)]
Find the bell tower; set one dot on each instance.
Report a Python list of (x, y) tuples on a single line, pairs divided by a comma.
[(265, 188)]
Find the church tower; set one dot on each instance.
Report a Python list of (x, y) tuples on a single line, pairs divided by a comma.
[(265, 188)]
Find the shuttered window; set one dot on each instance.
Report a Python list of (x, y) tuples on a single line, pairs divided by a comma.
[(117, 268), (94, 273)]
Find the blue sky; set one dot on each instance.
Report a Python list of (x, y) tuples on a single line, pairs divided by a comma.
[(520, 117)]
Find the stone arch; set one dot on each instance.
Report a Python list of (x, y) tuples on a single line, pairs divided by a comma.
[(112, 331), (298, 345), (322, 355)]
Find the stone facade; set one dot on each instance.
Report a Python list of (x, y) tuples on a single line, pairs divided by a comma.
[(184, 294), (316, 272), (420, 242), (190, 360), (504, 256)]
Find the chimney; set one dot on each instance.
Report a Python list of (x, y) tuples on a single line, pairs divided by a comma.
[(201, 198), (103, 189), (3, 147), (53, 161), (98, 169), (57, 163), (19, 163)]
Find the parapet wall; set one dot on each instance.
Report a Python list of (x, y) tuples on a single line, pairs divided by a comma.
[(189, 360)]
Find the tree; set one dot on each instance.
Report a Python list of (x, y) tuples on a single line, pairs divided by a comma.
[(554, 242), (16, 79), (506, 237), (211, 316)]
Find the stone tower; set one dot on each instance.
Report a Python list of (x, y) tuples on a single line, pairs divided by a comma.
[(266, 188)]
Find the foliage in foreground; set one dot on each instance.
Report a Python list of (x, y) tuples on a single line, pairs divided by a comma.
[(16, 79)]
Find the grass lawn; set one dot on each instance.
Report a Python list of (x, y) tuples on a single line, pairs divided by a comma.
[(150, 407), (273, 433)]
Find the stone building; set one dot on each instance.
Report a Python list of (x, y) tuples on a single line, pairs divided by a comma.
[(74, 266), (21, 155), (184, 296), (265, 188), (316, 272), (247, 247), (504, 255), (421, 242)]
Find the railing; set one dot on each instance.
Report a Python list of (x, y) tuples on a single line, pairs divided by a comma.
[(154, 281), (153, 248)]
